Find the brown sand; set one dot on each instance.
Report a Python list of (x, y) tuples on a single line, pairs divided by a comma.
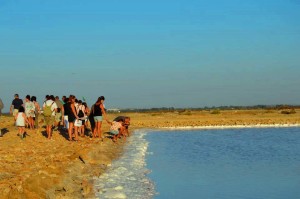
[(38, 168)]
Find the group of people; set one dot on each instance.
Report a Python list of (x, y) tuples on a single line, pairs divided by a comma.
[(70, 114)]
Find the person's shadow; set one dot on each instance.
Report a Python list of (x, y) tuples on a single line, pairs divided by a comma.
[(3, 132), (63, 132), (44, 133)]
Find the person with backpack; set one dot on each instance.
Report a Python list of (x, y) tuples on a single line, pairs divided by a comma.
[(58, 115), (49, 109)]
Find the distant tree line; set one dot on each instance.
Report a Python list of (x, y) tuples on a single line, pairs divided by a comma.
[(206, 108)]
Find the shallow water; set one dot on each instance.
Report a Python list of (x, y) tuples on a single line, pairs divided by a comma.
[(232, 163)]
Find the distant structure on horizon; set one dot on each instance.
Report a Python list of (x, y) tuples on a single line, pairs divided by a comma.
[(114, 110)]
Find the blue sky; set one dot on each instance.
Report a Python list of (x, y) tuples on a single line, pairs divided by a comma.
[(144, 54)]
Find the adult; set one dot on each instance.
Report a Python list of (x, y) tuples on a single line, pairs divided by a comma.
[(126, 123), (37, 111), (58, 115), (72, 116), (29, 111), (116, 129), (81, 114), (1, 107), (63, 99), (49, 109), (99, 113), (87, 112), (15, 105), (65, 114)]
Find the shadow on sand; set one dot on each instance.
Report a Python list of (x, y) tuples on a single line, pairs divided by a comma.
[(3, 132)]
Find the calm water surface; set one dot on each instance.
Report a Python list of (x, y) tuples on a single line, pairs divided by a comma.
[(232, 163)]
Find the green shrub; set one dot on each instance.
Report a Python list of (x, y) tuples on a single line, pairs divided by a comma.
[(215, 111), (292, 111)]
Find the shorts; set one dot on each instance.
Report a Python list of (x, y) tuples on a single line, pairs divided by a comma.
[(57, 117), (78, 123), (98, 118), (114, 132), (49, 120), (30, 114), (66, 121), (71, 118), (15, 112)]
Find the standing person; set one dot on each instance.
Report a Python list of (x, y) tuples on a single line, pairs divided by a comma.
[(82, 116), (29, 111), (37, 111), (20, 119), (63, 99), (49, 108), (1, 107), (58, 115), (86, 113), (91, 119), (99, 113), (72, 116), (65, 114), (15, 105)]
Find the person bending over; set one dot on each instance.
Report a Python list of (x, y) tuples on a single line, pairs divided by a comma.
[(116, 129)]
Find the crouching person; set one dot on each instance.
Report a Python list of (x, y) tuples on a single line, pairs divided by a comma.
[(116, 129), (125, 124)]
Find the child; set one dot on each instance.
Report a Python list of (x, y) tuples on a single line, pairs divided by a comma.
[(20, 119), (116, 129)]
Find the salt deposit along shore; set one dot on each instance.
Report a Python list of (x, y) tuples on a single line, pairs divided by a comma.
[(38, 168)]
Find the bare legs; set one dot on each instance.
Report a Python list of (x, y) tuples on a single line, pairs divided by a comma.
[(21, 131), (70, 131), (49, 131), (30, 122), (97, 130)]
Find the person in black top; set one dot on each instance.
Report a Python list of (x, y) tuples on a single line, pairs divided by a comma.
[(98, 111), (72, 117), (65, 113), (15, 105)]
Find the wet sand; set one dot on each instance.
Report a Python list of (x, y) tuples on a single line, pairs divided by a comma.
[(39, 168)]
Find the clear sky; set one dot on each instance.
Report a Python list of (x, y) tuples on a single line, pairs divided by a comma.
[(158, 53)]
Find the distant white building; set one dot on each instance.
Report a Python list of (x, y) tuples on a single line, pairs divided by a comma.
[(115, 110)]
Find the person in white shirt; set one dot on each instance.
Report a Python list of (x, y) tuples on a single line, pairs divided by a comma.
[(29, 111)]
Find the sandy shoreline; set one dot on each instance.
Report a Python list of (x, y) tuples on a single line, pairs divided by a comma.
[(39, 168)]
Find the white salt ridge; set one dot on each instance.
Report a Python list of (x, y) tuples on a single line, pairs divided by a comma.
[(127, 176)]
